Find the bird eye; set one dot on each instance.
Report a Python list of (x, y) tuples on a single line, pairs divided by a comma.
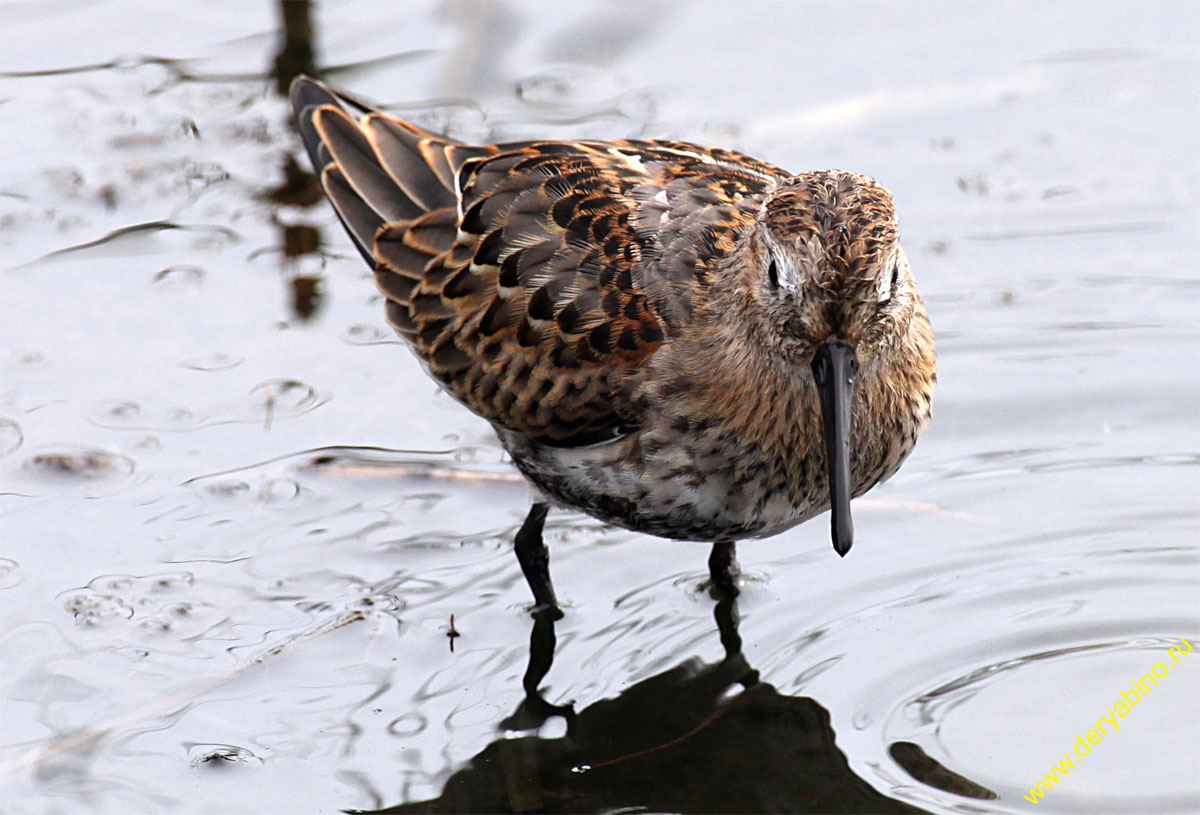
[(773, 274)]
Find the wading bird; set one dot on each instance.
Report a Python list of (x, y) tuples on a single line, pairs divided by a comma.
[(679, 340)]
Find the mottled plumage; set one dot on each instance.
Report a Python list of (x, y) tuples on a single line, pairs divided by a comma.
[(643, 322)]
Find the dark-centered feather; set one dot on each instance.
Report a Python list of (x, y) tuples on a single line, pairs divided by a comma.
[(532, 278)]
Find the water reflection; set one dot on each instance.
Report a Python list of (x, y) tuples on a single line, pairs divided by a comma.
[(306, 296), (299, 188), (163, 558), (296, 54), (696, 738)]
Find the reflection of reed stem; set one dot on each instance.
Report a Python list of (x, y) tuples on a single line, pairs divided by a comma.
[(296, 53)]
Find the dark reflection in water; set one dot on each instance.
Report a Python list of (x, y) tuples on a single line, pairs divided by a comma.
[(921, 766), (299, 188), (697, 738), (296, 54), (299, 240), (306, 296)]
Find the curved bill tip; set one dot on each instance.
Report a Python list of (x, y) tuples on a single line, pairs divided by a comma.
[(835, 368)]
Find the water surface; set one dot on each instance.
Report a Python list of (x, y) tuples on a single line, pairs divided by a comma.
[(238, 524)]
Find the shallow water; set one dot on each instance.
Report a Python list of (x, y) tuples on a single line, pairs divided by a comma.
[(238, 523)]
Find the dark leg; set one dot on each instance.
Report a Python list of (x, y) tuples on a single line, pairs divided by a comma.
[(535, 560), (723, 568)]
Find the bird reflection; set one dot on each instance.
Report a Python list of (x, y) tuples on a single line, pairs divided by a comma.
[(696, 738)]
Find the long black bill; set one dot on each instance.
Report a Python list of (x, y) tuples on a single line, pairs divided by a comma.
[(835, 367)]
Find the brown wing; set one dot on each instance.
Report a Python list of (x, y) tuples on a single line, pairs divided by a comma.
[(532, 278)]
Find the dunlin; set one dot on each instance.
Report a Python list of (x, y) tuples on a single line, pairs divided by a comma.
[(675, 339)]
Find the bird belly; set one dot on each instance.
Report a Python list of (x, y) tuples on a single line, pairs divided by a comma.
[(702, 490)]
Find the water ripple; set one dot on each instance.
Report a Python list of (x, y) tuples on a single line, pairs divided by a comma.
[(11, 437)]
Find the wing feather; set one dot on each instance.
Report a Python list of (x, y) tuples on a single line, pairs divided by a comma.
[(360, 220), (405, 155), (353, 153), (534, 279)]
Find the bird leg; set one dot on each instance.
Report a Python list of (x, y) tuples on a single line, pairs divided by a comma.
[(723, 568), (535, 560)]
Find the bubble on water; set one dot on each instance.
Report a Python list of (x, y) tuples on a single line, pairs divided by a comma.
[(29, 360), (132, 653), (90, 609), (228, 489), (89, 463), (148, 442), (11, 437), (154, 625), (171, 581), (122, 410), (217, 756), (216, 361), (409, 724), (144, 600), (179, 279), (278, 491), (111, 583), (10, 573), (277, 399), (126, 414), (470, 454), (544, 89), (421, 502), (181, 415), (366, 334)]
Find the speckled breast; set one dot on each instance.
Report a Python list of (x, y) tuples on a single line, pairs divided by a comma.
[(711, 488)]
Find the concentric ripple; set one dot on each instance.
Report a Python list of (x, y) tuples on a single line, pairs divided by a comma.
[(1075, 654)]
